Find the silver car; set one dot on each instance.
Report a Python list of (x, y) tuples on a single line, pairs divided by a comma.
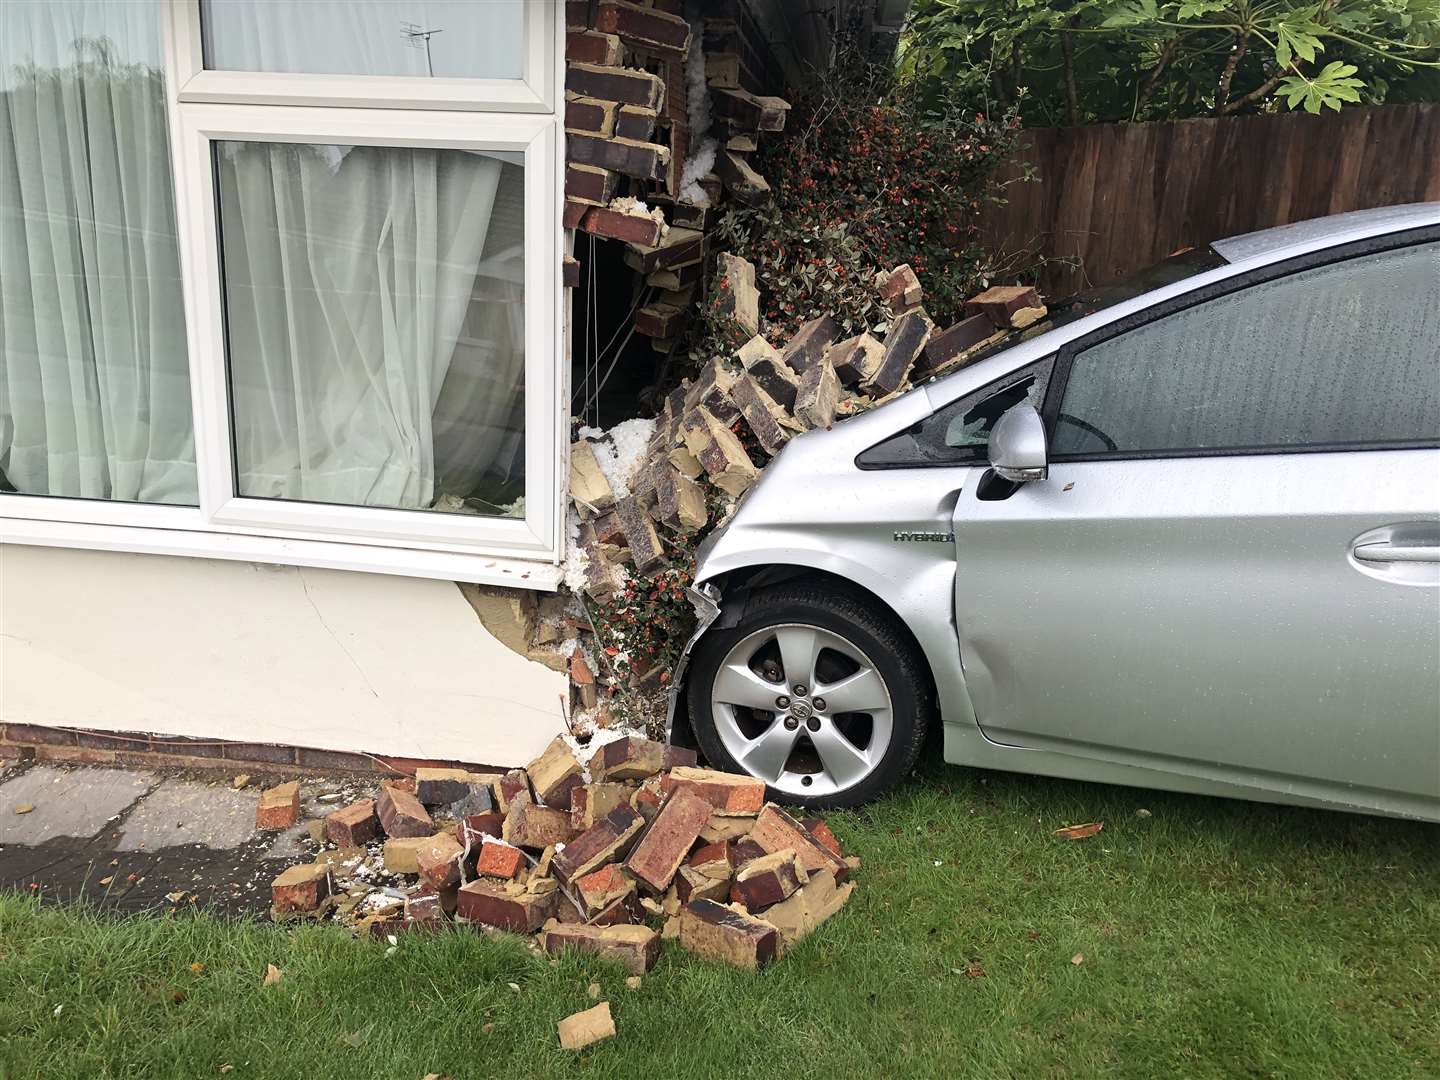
[(1185, 536)]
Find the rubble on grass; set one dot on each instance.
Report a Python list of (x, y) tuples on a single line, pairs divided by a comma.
[(608, 852)]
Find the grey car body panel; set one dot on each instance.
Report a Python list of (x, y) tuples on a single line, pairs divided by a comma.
[(813, 508)]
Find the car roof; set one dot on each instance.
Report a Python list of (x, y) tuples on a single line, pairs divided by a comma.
[(1327, 231)]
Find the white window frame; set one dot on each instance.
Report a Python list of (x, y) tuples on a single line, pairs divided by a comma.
[(362, 110)]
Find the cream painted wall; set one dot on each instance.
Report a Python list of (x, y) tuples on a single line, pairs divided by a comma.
[(320, 658)]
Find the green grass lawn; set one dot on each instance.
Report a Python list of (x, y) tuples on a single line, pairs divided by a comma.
[(1219, 939)]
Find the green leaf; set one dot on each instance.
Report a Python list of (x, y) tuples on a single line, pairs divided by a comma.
[(1333, 86), (1132, 13)]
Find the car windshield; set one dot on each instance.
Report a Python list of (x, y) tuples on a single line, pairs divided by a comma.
[(1183, 264)]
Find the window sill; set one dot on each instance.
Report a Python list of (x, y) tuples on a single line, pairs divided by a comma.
[(366, 558)]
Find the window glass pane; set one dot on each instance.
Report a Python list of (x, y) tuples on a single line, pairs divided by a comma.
[(374, 312), (1344, 353), (425, 38), (94, 391)]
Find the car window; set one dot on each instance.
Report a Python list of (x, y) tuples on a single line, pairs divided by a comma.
[(1337, 354), (959, 433)]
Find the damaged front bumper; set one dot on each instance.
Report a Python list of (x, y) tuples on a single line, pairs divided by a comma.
[(705, 598)]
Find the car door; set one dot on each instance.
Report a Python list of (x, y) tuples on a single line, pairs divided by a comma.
[(1231, 568)]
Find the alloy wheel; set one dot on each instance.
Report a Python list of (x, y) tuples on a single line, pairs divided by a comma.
[(803, 708)]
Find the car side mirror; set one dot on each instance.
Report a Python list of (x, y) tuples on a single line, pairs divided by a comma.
[(1017, 445)]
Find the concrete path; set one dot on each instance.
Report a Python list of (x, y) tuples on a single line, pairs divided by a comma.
[(141, 839)]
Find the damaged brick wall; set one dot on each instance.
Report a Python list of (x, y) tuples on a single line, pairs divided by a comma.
[(629, 135)]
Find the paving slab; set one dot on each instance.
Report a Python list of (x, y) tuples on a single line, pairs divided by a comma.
[(184, 812), (67, 802)]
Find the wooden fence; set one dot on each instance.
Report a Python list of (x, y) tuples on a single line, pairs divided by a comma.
[(1118, 197)]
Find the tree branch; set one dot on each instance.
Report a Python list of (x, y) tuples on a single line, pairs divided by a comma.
[(1222, 92), (1153, 79), (1072, 95), (1254, 95)]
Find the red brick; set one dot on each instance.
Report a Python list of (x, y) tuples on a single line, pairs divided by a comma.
[(775, 830), (809, 343), (354, 825), (592, 47), (474, 826), (439, 861), (513, 783), (728, 793), (643, 160), (573, 213), (571, 268), (402, 814), (899, 288), (300, 888), (667, 840), (631, 758), (499, 860), (635, 122), (945, 346), (423, 909), (554, 774), (279, 807), (489, 904), (720, 933), (635, 948), (768, 880), (817, 828), (680, 246), (530, 825), (589, 117), (625, 85), (591, 802), (602, 842), (908, 335), (589, 184), (691, 884), (577, 14), (1000, 303), (654, 30)]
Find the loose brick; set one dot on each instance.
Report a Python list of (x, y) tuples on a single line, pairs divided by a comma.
[(592, 47), (711, 390), (679, 246), (713, 859), (473, 827), (809, 343), (728, 793), (661, 320), (555, 773), (625, 85), (750, 112), (647, 798), (424, 910), (573, 213), (513, 783), (735, 291), (775, 830), (768, 880), (587, 116), (635, 122), (722, 70), (746, 185), (582, 1029), (631, 758), (643, 160), (279, 807), (591, 802), (582, 679), (301, 888), (642, 26), (600, 889), (764, 364), (353, 825), (691, 884), (488, 903), (679, 755), (607, 839), (856, 359), (577, 14), (529, 825), (818, 396), (761, 413), (635, 948), (571, 272), (667, 840), (439, 861), (717, 932), (498, 859), (401, 813), (441, 787), (899, 289), (402, 853), (812, 904), (945, 346), (721, 827), (618, 225), (719, 452), (817, 828), (908, 335), (646, 551), (680, 500), (1001, 304)]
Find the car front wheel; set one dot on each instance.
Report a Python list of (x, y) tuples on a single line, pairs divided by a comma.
[(814, 691)]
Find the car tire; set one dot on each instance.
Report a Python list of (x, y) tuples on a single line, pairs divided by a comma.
[(858, 649)]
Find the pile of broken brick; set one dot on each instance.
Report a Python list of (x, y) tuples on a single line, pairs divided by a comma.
[(592, 857), (764, 396)]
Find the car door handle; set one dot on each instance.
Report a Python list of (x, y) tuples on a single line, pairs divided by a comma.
[(1388, 552)]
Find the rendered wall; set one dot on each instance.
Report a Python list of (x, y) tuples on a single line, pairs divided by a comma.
[(319, 658)]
